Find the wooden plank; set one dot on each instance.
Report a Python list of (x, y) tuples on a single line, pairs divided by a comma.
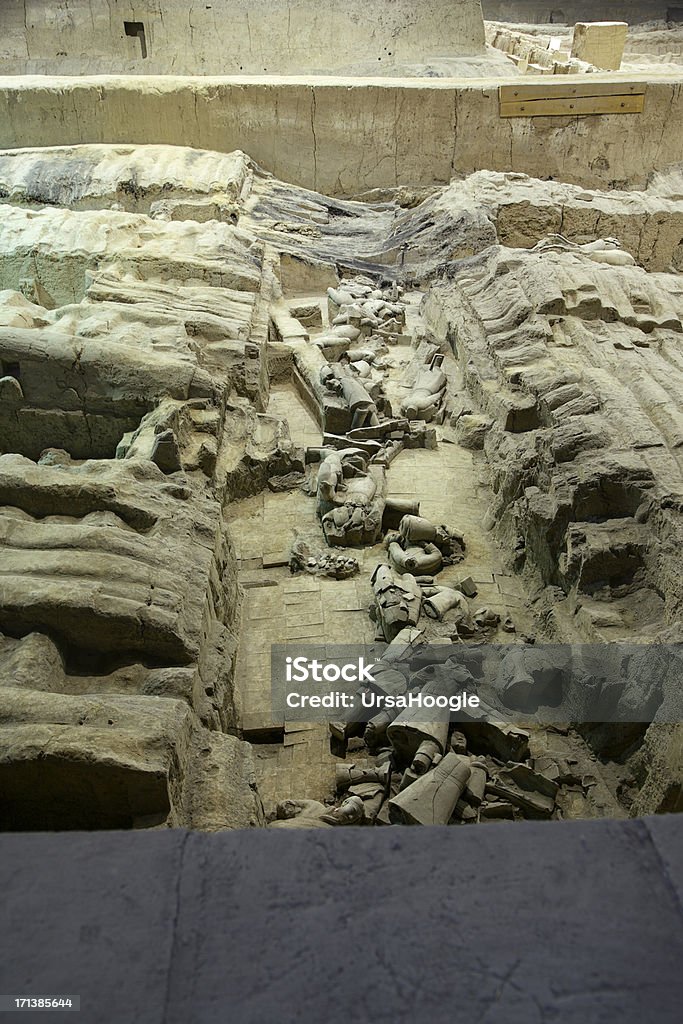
[(572, 107), (558, 90)]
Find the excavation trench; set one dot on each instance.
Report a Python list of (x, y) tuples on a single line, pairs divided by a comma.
[(167, 416), (294, 759)]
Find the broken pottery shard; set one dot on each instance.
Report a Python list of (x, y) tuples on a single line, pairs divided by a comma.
[(464, 812), (412, 727), (467, 586), (476, 784), (506, 742), (350, 812), (500, 810), (445, 599), (398, 600), (432, 798), (349, 775), (532, 793)]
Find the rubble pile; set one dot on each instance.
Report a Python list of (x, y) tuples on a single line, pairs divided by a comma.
[(357, 308), (362, 436), (414, 772), (338, 567)]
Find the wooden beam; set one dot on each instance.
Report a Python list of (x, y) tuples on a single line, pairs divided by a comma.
[(561, 90), (573, 107)]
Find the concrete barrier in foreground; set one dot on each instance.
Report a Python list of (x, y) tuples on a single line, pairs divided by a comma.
[(508, 924)]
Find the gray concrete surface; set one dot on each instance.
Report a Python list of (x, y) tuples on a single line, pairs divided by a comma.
[(536, 922)]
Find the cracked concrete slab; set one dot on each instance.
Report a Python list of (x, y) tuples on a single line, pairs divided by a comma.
[(562, 922)]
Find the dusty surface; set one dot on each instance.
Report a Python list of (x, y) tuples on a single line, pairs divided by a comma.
[(232, 36), (344, 136)]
